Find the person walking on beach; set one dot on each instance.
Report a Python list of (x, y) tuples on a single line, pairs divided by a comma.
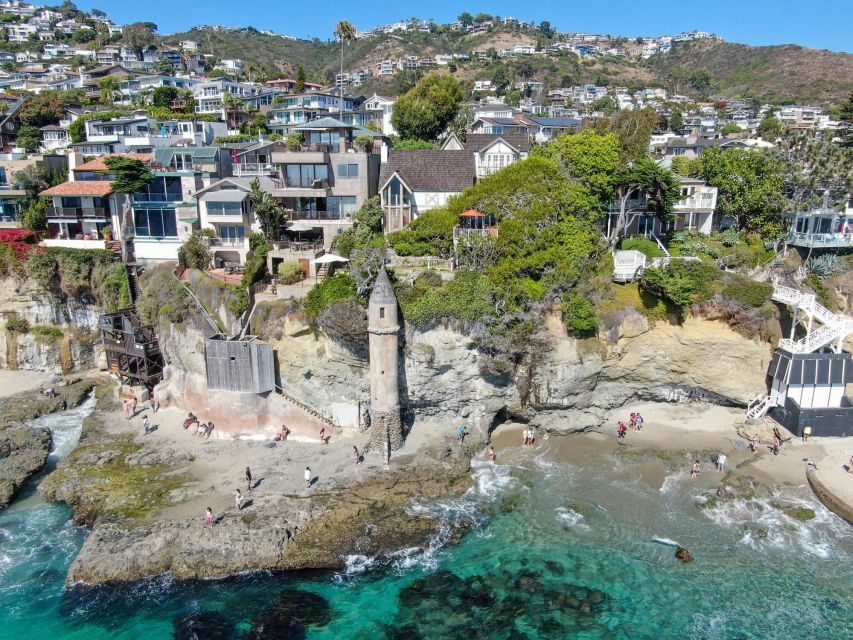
[(754, 443), (694, 472), (146, 426), (639, 422), (356, 454), (307, 477), (777, 443), (133, 407), (238, 499), (248, 478), (124, 410), (323, 435), (526, 437), (531, 436), (622, 430), (806, 433), (492, 455), (208, 517), (721, 462), (461, 434), (633, 421)]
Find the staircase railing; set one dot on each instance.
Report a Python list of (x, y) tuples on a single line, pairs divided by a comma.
[(307, 408), (835, 326)]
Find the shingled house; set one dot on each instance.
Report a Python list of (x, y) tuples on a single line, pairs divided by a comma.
[(412, 182)]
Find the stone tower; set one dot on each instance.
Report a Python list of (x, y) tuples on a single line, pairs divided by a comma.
[(386, 430)]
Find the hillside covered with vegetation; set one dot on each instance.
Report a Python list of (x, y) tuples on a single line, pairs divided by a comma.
[(785, 73)]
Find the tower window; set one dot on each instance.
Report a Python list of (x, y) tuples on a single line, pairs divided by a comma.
[(381, 312)]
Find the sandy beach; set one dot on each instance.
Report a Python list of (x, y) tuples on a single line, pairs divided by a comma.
[(701, 430)]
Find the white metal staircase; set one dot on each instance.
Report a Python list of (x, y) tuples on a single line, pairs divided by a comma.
[(835, 327), (759, 407)]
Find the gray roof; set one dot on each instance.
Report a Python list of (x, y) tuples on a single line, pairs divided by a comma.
[(430, 170), (479, 141), (383, 292), (323, 123)]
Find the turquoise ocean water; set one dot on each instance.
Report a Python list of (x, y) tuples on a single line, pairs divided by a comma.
[(555, 551)]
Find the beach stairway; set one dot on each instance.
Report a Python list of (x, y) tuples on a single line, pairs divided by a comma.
[(834, 327), (759, 407), (305, 407)]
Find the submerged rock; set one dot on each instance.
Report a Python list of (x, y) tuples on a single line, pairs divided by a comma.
[(204, 625), (683, 554)]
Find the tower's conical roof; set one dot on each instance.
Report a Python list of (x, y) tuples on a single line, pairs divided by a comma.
[(383, 292)]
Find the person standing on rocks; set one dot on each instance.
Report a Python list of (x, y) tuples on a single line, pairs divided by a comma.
[(721, 462), (307, 477), (694, 472), (462, 433), (356, 454), (238, 499), (531, 437), (133, 407), (622, 430), (208, 517), (492, 455), (248, 478)]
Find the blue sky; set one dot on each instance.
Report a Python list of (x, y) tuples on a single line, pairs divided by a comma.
[(822, 24)]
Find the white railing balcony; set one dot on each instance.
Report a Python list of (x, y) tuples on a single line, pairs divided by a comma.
[(242, 169), (228, 242), (820, 239), (460, 232), (487, 170)]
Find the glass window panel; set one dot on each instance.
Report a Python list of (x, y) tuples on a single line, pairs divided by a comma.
[(321, 172), (353, 171), (155, 223), (170, 223), (141, 222)]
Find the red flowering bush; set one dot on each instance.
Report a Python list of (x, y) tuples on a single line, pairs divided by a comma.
[(18, 235)]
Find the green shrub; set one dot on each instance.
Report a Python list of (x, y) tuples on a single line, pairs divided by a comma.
[(42, 268), (9, 263), (470, 296), (340, 286), (17, 324), (579, 314), (239, 303), (46, 334), (257, 241), (821, 290), (254, 269), (430, 234), (682, 282), (645, 246), (749, 293), (429, 278), (290, 273), (294, 140), (194, 253)]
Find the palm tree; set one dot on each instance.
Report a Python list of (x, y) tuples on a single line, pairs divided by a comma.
[(108, 88), (269, 212), (344, 31)]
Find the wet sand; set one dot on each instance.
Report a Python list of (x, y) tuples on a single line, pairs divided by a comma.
[(12, 382), (700, 430)]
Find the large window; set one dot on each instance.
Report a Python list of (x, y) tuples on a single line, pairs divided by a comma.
[(156, 223), (232, 234), (161, 189), (224, 208), (71, 203), (347, 171), (304, 175), (331, 138), (341, 207)]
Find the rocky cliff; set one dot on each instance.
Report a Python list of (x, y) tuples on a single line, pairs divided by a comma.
[(62, 334)]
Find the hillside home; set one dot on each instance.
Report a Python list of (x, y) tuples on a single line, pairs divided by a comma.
[(12, 197), (210, 94), (53, 137), (497, 126), (546, 129), (294, 110), (412, 182), (694, 212), (383, 108), (288, 85), (822, 228), (492, 152)]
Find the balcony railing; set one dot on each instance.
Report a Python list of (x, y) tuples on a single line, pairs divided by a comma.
[(820, 239), (344, 216), (157, 197), (486, 170), (227, 242), (74, 213), (254, 169), (460, 232), (290, 183)]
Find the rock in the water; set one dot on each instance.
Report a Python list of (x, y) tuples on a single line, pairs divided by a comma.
[(682, 554), (204, 625)]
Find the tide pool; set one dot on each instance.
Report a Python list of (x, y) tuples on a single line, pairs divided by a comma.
[(554, 551)]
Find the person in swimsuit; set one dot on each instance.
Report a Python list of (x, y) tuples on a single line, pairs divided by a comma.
[(208, 516), (356, 454), (492, 454), (238, 499), (694, 472)]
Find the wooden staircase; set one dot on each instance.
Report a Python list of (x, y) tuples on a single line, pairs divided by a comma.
[(307, 408)]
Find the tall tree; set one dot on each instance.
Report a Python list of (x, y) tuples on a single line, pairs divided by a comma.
[(634, 129), (139, 36), (344, 32), (647, 178), (107, 87), (817, 170), (750, 186), (129, 176), (424, 112), (300, 79), (270, 214)]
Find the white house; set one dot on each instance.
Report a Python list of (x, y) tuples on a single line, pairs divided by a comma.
[(385, 106)]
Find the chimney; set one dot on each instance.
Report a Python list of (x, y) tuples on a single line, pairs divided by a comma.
[(74, 161)]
